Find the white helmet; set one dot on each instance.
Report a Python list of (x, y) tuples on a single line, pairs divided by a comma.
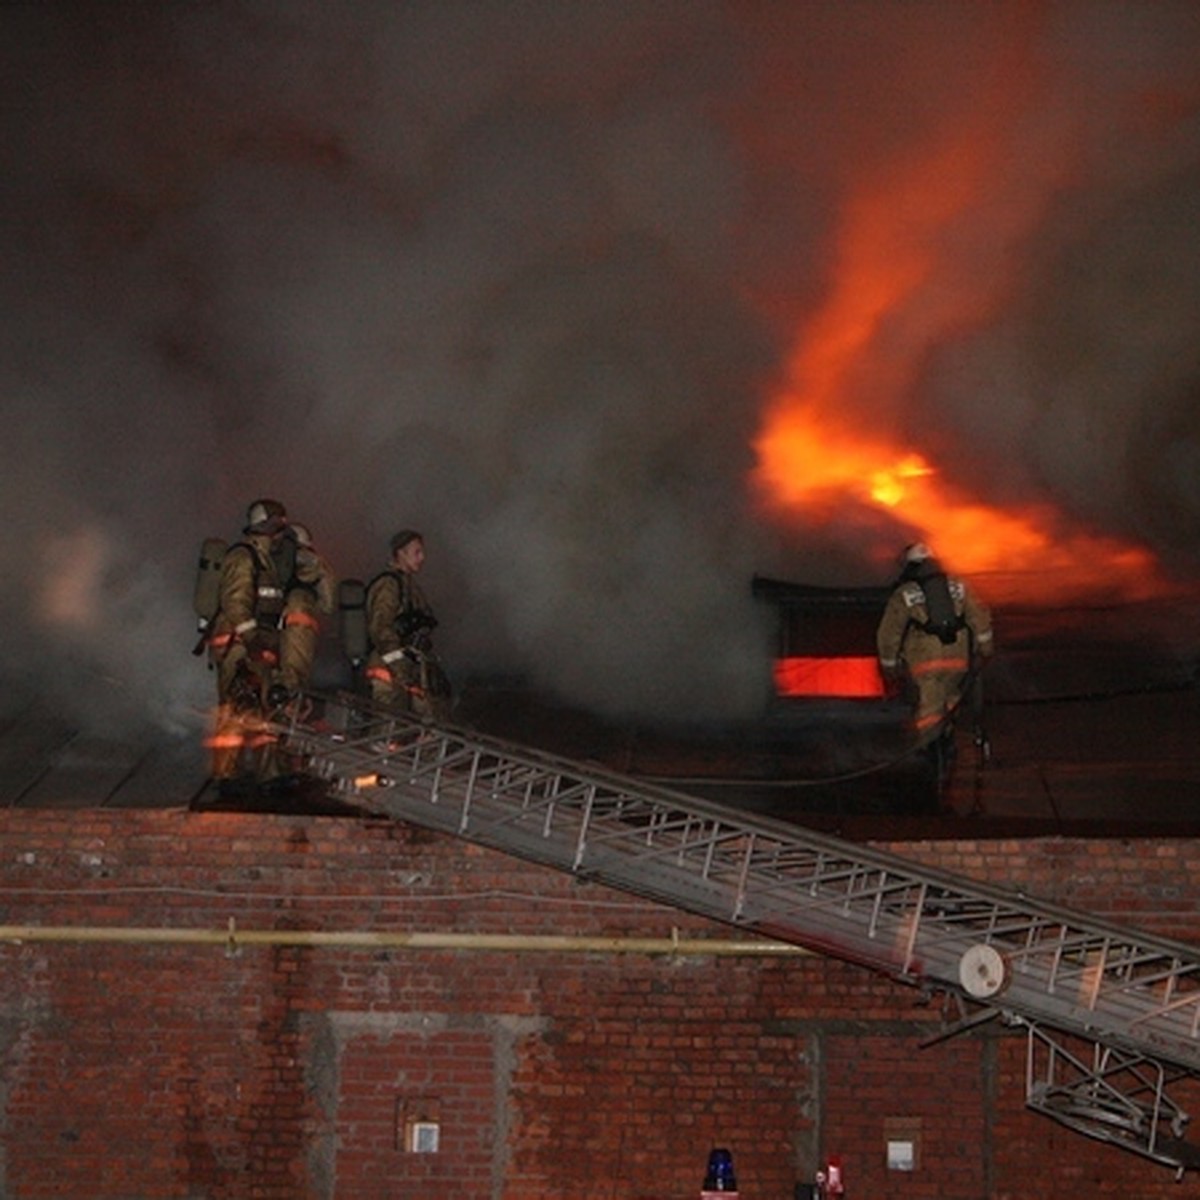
[(918, 552), (265, 516)]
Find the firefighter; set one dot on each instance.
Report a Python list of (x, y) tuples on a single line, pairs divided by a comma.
[(309, 592), (934, 629), (402, 671), (244, 643)]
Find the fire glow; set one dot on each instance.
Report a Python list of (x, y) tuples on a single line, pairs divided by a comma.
[(809, 468), (822, 450)]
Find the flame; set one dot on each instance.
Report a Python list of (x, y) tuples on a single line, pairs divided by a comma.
[(809, 467), (891, 296), (846, 676)]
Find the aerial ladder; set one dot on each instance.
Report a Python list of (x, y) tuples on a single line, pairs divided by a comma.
[(1111, 1015)]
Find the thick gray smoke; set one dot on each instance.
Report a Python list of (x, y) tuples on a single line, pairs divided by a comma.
[(523, 274)]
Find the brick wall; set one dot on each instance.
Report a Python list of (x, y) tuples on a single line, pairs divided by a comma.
[(238, 1069)]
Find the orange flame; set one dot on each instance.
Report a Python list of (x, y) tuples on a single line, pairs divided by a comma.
[(808, 467), (890, 298)]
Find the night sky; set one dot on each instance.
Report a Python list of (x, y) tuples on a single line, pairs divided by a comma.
[(533, 276)]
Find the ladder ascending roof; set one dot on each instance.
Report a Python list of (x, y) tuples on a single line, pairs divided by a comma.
[(1132, 999)]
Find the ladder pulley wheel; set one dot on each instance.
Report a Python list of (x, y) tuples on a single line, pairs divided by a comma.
[(982, 971)]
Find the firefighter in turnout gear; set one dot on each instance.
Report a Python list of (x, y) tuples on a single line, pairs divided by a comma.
[(310, 591), (402, 670), (934, 629), (244, 645)]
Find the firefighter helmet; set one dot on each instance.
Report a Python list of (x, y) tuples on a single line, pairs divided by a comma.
[(265, 516), (302, 534), (918, 552)]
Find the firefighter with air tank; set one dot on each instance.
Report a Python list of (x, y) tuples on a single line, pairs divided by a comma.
[(260, 603), (932, 629), (402, 670)]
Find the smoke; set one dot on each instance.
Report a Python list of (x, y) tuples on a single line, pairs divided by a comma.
[(524, 275)]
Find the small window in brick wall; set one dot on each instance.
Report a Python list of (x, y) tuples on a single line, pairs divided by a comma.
[(419, 1126), (903, 1138)]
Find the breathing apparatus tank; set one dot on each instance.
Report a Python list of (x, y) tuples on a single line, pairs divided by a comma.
[(206, 598), (352, 621)]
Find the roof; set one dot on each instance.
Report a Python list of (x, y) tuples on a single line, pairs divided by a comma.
[(45, 763), (1092, 727)]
